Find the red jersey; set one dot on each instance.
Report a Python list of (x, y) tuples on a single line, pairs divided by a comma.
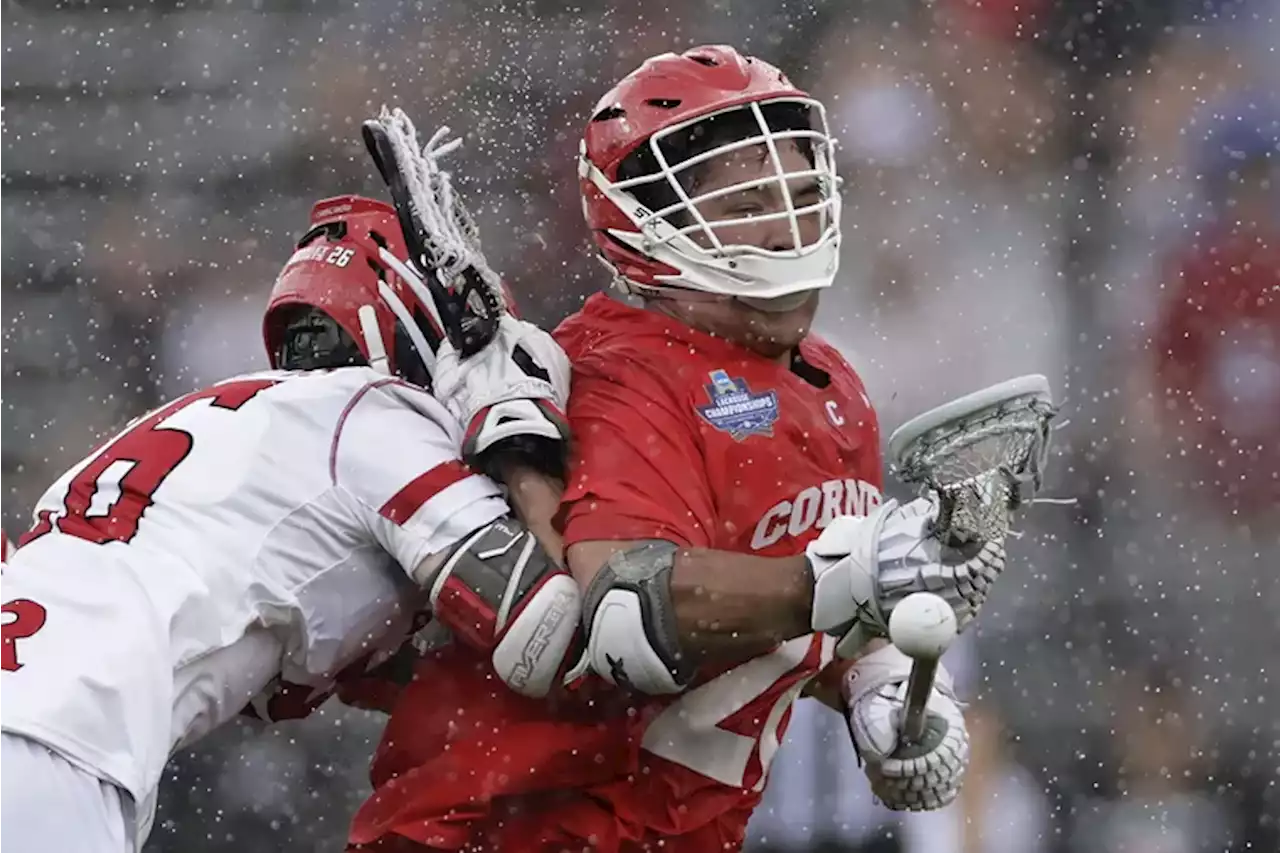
[(678, 436)]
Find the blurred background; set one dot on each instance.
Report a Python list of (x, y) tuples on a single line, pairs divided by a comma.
[(1084, 188)]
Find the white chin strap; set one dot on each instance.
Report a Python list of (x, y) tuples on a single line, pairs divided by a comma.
[(372, 334), (378, 360), (778, 304), (756, 275), (368, 316)]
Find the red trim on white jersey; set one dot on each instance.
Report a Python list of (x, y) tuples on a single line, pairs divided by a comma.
[(346, 410), (404, 503)]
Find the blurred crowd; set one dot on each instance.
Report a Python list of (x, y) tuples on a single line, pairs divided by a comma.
[(1090, 190)]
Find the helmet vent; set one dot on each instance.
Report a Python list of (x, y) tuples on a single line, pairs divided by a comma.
[(708, 61), (664, 103), (330, 230), (609, 113)]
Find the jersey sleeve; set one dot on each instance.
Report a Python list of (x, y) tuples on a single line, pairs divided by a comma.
[(396, 455), (637, 470)]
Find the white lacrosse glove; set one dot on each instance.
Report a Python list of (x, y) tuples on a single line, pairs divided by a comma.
[(912, 776), (863, 565), (511, 395)]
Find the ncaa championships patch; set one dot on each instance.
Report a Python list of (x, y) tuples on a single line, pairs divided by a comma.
[(736, 409)]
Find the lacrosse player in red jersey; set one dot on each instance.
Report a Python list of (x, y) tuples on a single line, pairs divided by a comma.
[(722, 512), (262, 536)]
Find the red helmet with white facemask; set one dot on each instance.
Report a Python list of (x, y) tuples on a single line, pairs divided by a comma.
[(636, 161), (348, 296)]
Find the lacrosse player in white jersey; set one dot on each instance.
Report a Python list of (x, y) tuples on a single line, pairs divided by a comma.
[(280, 527)]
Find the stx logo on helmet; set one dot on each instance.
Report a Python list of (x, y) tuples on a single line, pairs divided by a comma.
[(814, 507)]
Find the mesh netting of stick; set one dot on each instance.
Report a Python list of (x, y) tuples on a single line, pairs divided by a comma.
[(973, 461)]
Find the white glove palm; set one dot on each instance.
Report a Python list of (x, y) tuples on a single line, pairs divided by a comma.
[(906, 777), (864, 565), (512, 391)]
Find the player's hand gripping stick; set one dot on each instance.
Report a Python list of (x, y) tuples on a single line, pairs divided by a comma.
[(922, 626)]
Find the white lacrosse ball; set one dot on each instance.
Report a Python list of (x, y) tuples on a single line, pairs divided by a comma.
[(922, 625)]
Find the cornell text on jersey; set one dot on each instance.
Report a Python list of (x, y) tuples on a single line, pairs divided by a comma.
[(814, 507)]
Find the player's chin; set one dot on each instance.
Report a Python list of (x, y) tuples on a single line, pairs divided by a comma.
[(773, 333)]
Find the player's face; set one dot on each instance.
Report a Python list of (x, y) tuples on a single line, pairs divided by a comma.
[(751, 164), (774, 331)]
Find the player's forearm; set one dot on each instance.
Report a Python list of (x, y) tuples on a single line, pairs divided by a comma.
[(655, 612), (736, 606), (535, 499)]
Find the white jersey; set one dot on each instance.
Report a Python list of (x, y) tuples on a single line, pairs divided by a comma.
[(266, 526)]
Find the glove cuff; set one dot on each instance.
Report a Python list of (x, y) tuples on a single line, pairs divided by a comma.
[(534, 432), (888, 665), (845, 567)]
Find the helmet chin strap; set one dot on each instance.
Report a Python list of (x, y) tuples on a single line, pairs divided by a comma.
[(771, 305), (668, 293), (777, 304), (670, 296), (373, 339)]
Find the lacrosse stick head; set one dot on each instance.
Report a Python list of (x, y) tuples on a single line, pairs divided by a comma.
[(451, 274), (981, 455)]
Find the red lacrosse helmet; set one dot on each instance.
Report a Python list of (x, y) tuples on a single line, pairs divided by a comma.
[(659, 102), (350, 266)]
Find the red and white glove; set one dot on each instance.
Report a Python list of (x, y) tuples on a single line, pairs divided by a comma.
[(285, 700), (371, 682), (510, 396)]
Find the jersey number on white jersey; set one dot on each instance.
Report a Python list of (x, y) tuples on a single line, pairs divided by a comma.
[(23, 617), (106, 499)]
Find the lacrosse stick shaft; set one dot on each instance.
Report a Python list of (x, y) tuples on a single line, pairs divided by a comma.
[(922, 626), (919, 688)]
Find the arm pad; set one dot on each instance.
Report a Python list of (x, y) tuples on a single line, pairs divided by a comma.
[(630, 620), (499, 592)]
